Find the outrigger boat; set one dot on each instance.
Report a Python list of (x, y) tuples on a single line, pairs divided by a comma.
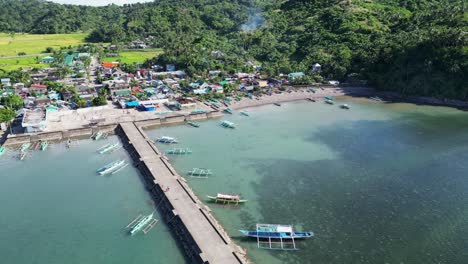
[(311, 99), (200, 172), (166, 140), (226, 198), (44, 145), (329, 98), (376, 98), (108, 148), (97, 135), (111, 167), (329, 101), (2, 150), (193, 124), (228, 124), (277, 104), (244, 113), (198, 111), (179, 151), (68, 144), (25, 147), (228, 110), (144, 223), (22, 156), (344, 106), (276, 236)]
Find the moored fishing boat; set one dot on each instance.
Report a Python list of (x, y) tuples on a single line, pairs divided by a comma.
[(179, 151), (344, 106), (97, 135), (228, 124), (2, 150), (329, 98), (276, 236), (226, 198), (44, 145), (244, 113), (109, 148), (228, 110), (141, 223), (277, 104), (193, 124), (25, 147), (311, 99), (111, 167), (200, 172), (376, 98), (166, 140), (327, 101), (22, 155)]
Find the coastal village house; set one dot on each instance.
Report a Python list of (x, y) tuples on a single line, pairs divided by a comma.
[(34, 120), (39, 89)]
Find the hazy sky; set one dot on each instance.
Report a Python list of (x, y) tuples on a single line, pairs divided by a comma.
[(99, 2)]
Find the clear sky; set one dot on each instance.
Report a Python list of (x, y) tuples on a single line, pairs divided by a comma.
[(99, 2)]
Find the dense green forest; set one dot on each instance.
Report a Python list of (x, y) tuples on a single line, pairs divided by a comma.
[(411, 46)]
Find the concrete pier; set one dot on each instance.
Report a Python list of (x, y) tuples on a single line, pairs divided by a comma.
[(201, 237)]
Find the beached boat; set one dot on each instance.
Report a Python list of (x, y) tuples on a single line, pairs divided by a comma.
[(311, 99), (228, 124), (272, 236), (166, 140), (179, 151), (193, 124), (140, 222), (329, 98), (25, 147), (376, 98), (226, 198), (344, 106), (22, 156), (200, 172), (108, 148), (2, 150), (228, 110), (162, 112), (277, 104), (109, 168), (244, 113), (44, 145), (327, 101), (198, 111)]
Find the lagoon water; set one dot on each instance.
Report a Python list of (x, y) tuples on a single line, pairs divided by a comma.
[(380, 183), (56, 209)]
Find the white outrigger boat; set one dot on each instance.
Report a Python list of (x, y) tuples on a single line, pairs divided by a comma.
[(167, 140), (111, 167), (108, 148), (144, 223), (226, 198)]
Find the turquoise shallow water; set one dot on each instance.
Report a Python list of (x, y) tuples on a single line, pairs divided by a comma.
[(380, 183), (56, 209)]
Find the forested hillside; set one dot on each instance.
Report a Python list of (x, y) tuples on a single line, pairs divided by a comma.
[(411, 46)]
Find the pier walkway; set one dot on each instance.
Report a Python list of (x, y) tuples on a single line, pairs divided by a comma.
[(212, 244)]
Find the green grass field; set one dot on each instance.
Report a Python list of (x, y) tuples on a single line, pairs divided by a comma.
[(134, 56), (34, 44), (16, 63)]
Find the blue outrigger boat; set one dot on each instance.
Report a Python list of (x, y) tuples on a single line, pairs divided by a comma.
[(276, 236), (2, 150)]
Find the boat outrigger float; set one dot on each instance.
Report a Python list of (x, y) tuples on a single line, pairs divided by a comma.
[(166, 140), (108, 148), (226, 198), (244, 113), (179, 151), (228, 124), (281, 237), (228, 110), (111, 167), (144, 223), (193, 124)]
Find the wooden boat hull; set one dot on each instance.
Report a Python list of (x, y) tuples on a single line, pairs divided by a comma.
[(218, 200)]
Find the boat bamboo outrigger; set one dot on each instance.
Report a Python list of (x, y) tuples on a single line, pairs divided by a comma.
[(226, 198), (111, 167), (200, 172), (108, 148), (22, 155), (329, 101), (244, 113), (143, 223), (166, 140), (96, 136), (282, 237), (2, 150), (25, 147), (228, 110), (228, 124), (179, 151)]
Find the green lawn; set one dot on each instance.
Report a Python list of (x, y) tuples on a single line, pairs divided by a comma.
[(134, 56), (36, 43), (16, 63)]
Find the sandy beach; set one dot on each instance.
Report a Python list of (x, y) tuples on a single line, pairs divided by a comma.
[(299, 94)]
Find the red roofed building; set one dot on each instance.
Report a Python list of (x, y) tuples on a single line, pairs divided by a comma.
[(38, 88)]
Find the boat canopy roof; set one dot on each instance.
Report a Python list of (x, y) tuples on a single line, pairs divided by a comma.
[(228, 196)]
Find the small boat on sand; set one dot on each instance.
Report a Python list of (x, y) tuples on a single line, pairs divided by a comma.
[(344, 106), (329, 98), (109, 168), (226, 198), (311, 99), (98, 135), (330, 102), (244, 113), (2, 150), (166, 140), (25, 147), (44, 145), (228, 110), (228, 124), (376, 98)]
